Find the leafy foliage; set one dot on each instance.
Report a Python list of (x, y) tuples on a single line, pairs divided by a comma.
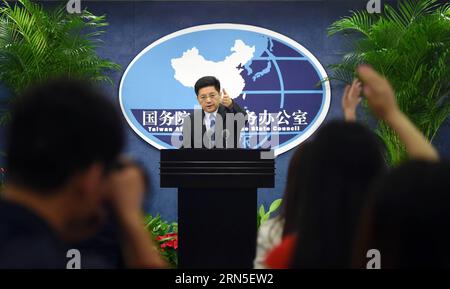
[(263, 216), (163, 233), (410, 46), (38, 44), (166, 236)]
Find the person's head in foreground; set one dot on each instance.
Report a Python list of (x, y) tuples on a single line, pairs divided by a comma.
[(207, 90), (408, 217), (344, 159), (64, 140), (297, 171)]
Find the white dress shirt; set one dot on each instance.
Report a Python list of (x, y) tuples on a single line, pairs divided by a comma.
[(207, 119)]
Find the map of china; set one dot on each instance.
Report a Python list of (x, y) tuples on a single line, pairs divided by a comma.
[(192, 66)]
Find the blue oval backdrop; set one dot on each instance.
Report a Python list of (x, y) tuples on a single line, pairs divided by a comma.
[(265, 72)]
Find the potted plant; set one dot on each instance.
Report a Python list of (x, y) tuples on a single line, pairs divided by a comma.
[(38, 43), (410, 46), (165, 235)]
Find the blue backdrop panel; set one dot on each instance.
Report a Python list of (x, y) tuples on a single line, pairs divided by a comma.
[(136, 24)]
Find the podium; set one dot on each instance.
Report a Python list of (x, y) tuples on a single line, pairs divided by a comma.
[(217, 203)]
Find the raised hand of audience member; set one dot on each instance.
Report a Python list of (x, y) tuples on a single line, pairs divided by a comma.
[(381, 99), (351, 99)]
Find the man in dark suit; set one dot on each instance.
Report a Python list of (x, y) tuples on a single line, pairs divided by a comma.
[(219, 123)]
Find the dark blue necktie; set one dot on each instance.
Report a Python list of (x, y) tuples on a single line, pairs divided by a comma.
[(212, 127)]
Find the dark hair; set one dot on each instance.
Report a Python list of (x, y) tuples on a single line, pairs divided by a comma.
[(59, 128), (297, 170), (408, 217), (345, 158), (205, 82)]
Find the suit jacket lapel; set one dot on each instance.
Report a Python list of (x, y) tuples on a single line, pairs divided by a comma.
[(203, 123), (222, 111)]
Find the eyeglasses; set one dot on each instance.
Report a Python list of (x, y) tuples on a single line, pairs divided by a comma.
[(204, 97)]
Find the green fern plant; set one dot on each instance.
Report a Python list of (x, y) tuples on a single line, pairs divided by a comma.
[(410, 46), (37, 44)]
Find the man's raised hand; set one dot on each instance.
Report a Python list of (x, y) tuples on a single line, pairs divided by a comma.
[(226, 100)]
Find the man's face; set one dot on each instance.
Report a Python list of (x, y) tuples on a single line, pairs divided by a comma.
[(209, 98)]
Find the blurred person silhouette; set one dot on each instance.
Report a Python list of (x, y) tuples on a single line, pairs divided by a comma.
[(272, 231), (340, 176), (332, 194), (284, 225), (64, 170), (408, 217)]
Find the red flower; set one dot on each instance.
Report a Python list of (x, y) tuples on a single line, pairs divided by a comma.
[(175, 243), (172, 241), (2, 170)]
